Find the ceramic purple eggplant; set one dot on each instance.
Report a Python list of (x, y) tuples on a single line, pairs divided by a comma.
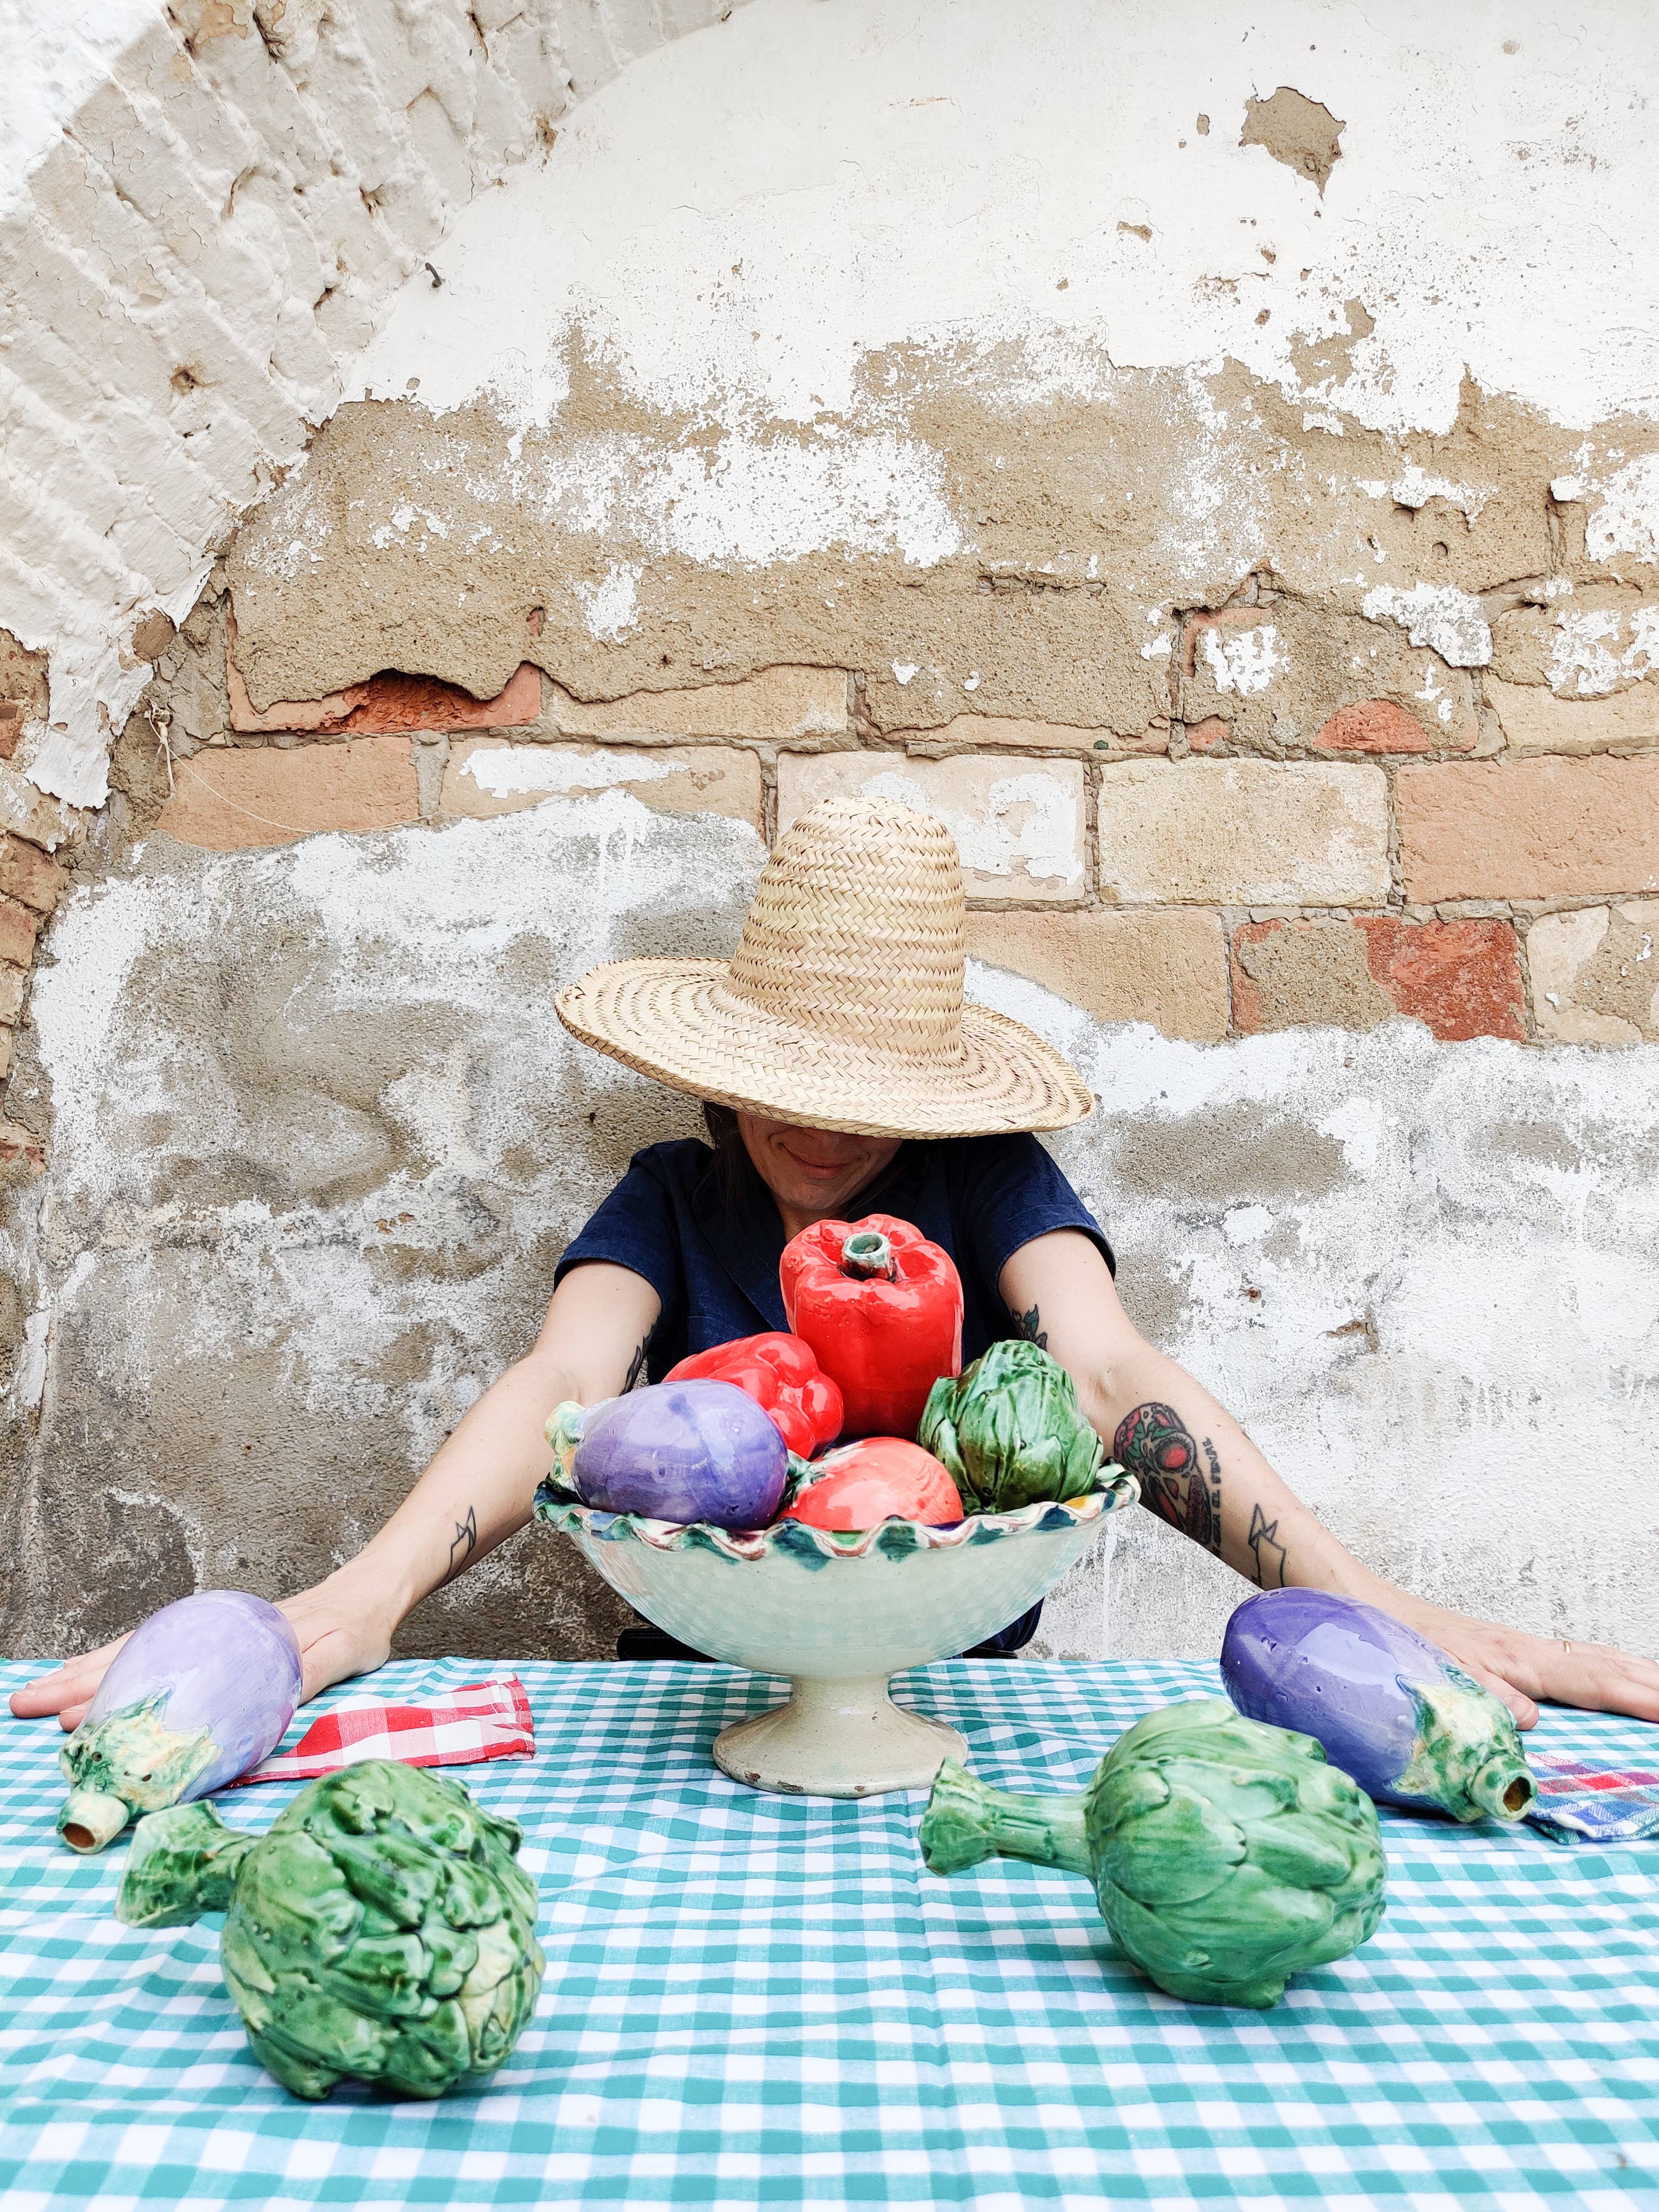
[(199, 1692), (676, 1451), (1389, 1707)]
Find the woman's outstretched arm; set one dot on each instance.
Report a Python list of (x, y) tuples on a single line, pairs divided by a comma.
[(475, 1494), (1200, 1472)]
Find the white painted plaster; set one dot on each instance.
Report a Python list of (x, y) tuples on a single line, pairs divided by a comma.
[(1028, 826), (504, 770), (1243, 660), (1582, 662), (1503, 1425), (1439, 616), (935, 194), (744, 223), (56, 55)]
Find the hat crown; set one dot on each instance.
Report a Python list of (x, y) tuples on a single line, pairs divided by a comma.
[(858, 930)]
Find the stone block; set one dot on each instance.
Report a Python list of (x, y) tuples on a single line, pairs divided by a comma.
[(1595, 973), (1535, 720), (1287, 673), (1244, 833), (26, 874), (1544, 828), (487, 776), (1463, 979), (1168, 967), (1018, 823), (801, 708), (13, 983), (230, 798), (19, 927)]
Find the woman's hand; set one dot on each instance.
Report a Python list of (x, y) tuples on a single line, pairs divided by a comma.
[(1523, 1670), (339, 1630)]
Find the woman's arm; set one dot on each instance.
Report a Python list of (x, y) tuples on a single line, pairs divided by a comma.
[(1200, 1472), (475, 1494)]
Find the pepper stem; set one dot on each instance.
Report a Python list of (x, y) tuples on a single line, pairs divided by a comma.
[(867, 1254)]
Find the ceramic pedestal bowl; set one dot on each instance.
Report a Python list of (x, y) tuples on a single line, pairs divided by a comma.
[(839, 1615)]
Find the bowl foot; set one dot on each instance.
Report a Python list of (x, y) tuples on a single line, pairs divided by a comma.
[(843, 1739)]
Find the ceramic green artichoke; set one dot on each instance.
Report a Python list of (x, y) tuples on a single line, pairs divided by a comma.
[(1010, 1431), (379, 1928), (1225, 1855)]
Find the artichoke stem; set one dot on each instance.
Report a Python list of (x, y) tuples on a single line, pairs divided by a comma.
[(183, 1862), (91, 1819), (1505, 1787), (967, 1820)]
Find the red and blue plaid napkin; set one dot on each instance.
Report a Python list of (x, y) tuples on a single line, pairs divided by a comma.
[(462, 1727), (1579, 1803)]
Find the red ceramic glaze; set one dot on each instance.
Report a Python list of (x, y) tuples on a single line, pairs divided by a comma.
[(878, 1479)]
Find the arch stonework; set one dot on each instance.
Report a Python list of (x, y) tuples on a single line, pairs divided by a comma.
[(189, 266)]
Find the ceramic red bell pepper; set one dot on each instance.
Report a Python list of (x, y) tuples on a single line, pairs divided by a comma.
[(781, 1374), (882, 1309), (876, 1480)]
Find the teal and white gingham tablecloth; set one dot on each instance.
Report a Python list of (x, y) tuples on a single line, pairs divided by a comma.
[(764, 2000)]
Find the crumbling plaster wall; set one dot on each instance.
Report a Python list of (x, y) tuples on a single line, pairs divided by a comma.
[(1193, 489)]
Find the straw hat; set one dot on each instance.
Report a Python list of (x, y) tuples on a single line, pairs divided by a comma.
[(843, 1007)]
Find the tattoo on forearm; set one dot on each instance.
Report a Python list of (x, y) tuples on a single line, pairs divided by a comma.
[(466, 1538), (1268, 1554), (1158, 1449), (1030, 1326), (636, 1365)]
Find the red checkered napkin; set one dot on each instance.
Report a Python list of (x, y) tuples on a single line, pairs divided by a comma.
[(483, 1720)]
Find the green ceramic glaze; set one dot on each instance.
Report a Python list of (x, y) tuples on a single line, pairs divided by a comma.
[(379, 1929), (1469, 1758), (1010, 1431), (1225, 1855), (127, 1761)]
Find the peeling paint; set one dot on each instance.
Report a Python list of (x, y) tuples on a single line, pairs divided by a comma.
[(1439, 616)]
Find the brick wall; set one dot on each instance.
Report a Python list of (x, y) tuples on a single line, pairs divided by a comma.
[(1332, 826)]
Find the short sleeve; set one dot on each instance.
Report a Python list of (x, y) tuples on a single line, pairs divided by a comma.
[(1013, 1192), (635, 1227)]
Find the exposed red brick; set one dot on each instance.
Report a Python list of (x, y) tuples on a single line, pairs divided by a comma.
[(18, 1149), (1375, 726), (26, 874), (18, 930), (1462, 978), (1211, 731), (390, 702), (11, 726)]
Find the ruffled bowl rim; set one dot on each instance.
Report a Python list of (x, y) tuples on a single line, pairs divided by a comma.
[(892, 1539)]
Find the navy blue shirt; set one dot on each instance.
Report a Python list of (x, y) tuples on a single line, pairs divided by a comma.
[(712, 1259)]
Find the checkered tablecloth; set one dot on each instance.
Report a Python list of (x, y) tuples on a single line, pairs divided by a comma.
[(760, 2001)]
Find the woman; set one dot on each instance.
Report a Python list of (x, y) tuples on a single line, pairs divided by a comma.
[(843, 1073)]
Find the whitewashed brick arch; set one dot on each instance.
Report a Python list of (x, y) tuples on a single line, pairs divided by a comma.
[(202, 209)]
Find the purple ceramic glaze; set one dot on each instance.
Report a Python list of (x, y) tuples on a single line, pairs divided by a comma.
[(683, 1451), (1335, 1669), (228, 1663)]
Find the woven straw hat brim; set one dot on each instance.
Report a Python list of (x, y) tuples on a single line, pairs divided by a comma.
[(678, 1021)]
